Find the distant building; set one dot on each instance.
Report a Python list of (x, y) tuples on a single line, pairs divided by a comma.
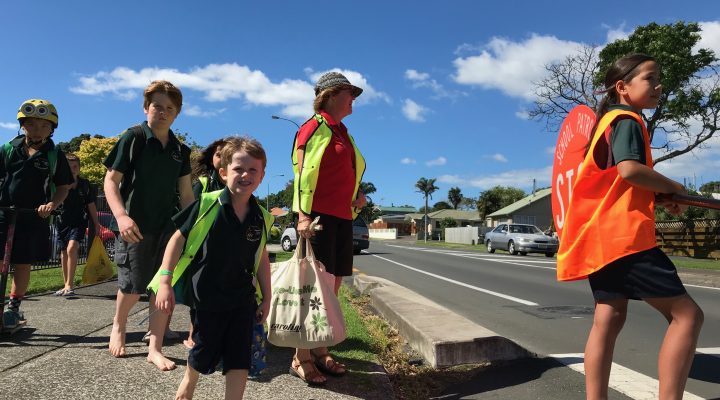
[(463, 218), (393, 217), (535, 209)]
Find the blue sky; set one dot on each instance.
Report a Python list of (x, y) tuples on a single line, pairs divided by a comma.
[(445, 83)]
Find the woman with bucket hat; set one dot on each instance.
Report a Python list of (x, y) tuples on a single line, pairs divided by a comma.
[(328, 168)]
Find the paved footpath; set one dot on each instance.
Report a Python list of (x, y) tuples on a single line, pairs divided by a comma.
[(62, 354)]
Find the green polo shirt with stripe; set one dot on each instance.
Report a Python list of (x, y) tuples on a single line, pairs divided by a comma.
[(153, 197), (627, 140)]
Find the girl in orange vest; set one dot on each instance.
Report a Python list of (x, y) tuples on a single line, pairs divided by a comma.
[(609, 236)]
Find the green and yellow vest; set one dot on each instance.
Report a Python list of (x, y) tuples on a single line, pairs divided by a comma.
[(305, 184), (209, 207)]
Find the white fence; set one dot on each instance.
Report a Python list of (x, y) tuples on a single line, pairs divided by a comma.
[(464, 235), (383, 233)]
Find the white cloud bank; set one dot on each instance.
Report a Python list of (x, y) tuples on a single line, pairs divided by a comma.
[(408, 161), (436, 162), (13, 126), (512, 67), (522, 178), (222, 83), (414, 111)]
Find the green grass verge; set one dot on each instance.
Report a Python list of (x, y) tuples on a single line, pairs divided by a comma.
[(47, 280)]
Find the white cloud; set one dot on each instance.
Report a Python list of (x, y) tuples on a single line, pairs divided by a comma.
[(221, 83), (614, 34), (522, 114), (497, 157), (408, 161), (710, 37), (414, 75), (414, 111), (13, 126), (516, 178), (550, 150), (195, 111), (512, 67), (436, 162), (700, 165)]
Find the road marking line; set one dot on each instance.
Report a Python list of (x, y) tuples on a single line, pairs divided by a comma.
[(626, 381), (500, 260), (486, 291)]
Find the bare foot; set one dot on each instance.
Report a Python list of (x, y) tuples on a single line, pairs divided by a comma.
[(162, 363), (189, 343), (117, 340)]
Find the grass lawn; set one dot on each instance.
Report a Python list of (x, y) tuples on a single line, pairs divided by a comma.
[(47, 280)]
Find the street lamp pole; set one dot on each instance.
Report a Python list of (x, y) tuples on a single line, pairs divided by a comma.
[(285, 119), (267, 199)]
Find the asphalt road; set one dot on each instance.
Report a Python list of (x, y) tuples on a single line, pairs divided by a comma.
[(519, 298)]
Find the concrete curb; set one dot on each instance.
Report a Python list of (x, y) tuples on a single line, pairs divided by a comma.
[(441, 336)]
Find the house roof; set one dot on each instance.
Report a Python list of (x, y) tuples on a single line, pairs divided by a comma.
[(441, 214), (396, 210), (522, 203)]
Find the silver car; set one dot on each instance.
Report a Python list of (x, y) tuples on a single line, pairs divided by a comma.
[(361, 236), (520, 238)]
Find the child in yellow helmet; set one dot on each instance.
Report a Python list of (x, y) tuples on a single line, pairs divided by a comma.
[(37, 177)]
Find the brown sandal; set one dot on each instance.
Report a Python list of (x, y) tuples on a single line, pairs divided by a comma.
[(325, 363), (310, 373)]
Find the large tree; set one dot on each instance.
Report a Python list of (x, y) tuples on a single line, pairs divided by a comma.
[(496, 198), (92, 153), (441, 205), (455, 197), (370, 211), (427, 188), (688, 113)]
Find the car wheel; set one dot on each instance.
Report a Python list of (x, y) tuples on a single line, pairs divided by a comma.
[(489, 247), (523, 253), (549, 255), (511, 248), (286, 244)]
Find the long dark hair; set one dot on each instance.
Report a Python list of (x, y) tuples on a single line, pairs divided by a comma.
[(623, 69), (203, 164)]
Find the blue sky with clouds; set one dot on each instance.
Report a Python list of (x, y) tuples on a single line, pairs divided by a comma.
[(445, 83)]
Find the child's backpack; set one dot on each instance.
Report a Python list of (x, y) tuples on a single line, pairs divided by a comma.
[(137, 145)]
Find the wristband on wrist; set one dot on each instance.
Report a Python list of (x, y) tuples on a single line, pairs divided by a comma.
[(166, 272)]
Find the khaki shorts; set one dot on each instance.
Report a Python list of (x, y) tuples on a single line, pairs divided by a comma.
[(138, 262)]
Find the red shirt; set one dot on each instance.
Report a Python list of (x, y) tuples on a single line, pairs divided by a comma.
[(336, 179)]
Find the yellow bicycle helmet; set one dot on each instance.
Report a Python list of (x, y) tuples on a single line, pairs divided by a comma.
[(38, 108)]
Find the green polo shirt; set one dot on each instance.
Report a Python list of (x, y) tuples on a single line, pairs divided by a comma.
[(152, 178), (627, 140)]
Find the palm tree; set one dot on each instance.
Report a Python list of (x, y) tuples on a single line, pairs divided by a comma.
[(455, 197), (427, 188)]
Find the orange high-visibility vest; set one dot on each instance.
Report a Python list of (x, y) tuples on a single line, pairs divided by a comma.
[(607, 217)]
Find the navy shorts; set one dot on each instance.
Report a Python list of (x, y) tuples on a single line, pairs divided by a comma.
[(647, 274), (31, 241), (222, 335), (138, 262), (68, 233), (333, 245)]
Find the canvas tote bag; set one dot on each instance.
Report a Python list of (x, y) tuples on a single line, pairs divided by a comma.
[(304, 313)]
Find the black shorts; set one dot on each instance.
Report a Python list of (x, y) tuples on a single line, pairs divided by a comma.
[(647, 274), (31, 241), (138, 262), (222, 335), (68, 233), (333, 245)]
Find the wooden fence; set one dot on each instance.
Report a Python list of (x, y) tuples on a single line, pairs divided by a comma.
[(696, 238)]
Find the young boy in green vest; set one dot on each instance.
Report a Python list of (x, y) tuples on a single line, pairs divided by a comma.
[(36, 176), (231, 262)]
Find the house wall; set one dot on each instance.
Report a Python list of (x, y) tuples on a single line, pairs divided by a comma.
[(540, 211)]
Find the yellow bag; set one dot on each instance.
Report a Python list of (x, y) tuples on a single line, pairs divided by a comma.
[(98, 267)]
